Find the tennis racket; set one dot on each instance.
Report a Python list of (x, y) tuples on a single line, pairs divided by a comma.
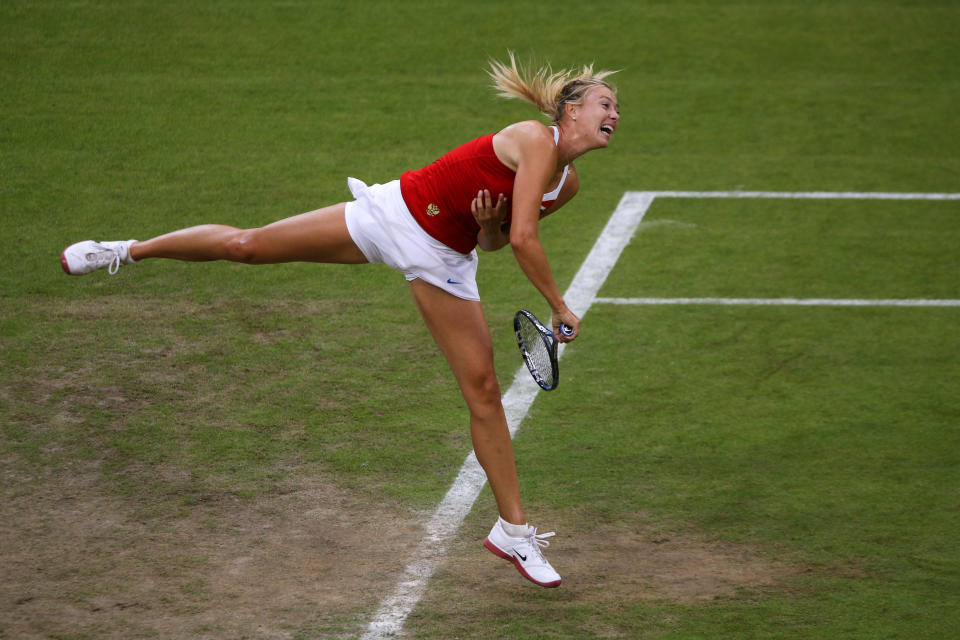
[(538, 346)]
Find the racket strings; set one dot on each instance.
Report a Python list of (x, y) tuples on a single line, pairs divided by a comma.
[(536, 351)]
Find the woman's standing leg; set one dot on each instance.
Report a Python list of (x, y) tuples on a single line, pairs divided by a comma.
[(460, 330)]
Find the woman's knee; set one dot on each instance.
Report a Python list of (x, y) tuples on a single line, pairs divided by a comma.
[(483, 393), (241, 245)]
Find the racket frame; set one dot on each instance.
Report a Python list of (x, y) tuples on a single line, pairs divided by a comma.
[(549, 381)]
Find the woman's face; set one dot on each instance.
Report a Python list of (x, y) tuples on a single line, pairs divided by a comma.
[(599, 115)]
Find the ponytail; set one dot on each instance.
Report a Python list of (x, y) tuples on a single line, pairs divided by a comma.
[(546, 89)]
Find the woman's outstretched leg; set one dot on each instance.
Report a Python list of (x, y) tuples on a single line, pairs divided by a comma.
[(195, 244), (316, 236)]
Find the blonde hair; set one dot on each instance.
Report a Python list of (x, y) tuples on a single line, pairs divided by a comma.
[(545, 88)]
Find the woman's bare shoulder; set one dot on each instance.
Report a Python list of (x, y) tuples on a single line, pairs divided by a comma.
[(521, 139), (528, 129)]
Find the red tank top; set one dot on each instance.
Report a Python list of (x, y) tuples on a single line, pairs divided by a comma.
[(439, 195)]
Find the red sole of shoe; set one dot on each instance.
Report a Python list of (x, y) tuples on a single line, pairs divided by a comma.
[(506, 556)]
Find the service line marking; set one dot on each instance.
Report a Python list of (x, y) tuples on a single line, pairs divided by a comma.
[(802, 195), (388, 620), (796, 302)]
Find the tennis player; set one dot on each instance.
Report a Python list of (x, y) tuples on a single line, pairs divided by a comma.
[(489, 192)]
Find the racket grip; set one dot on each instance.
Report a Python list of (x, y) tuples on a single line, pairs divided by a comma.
[(566, 330)]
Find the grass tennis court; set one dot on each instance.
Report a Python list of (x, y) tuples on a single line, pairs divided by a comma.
[(222, 451)]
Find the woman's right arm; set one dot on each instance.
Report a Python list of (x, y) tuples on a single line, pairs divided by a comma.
[(535, 155)]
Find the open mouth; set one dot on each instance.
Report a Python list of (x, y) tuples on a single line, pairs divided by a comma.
[(606, 130)]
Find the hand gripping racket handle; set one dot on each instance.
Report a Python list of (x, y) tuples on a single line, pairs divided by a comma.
[(566, 330)]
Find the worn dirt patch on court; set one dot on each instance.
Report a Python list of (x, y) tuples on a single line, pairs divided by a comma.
[(605, 569), (312, 559), (647, 565), (78, 562)]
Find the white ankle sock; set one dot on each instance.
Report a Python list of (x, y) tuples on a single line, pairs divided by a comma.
[(514, 530), (128, 259)]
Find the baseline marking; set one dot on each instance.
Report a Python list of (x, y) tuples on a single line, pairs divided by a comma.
[(443, 524)]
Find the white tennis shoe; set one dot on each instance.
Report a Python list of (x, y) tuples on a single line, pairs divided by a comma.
[(525, 553), (88, 256)]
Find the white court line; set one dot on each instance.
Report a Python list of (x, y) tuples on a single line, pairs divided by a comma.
[(799, 302), (443, 524)]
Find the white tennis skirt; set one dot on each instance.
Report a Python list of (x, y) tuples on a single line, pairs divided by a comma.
[(381, 225)]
